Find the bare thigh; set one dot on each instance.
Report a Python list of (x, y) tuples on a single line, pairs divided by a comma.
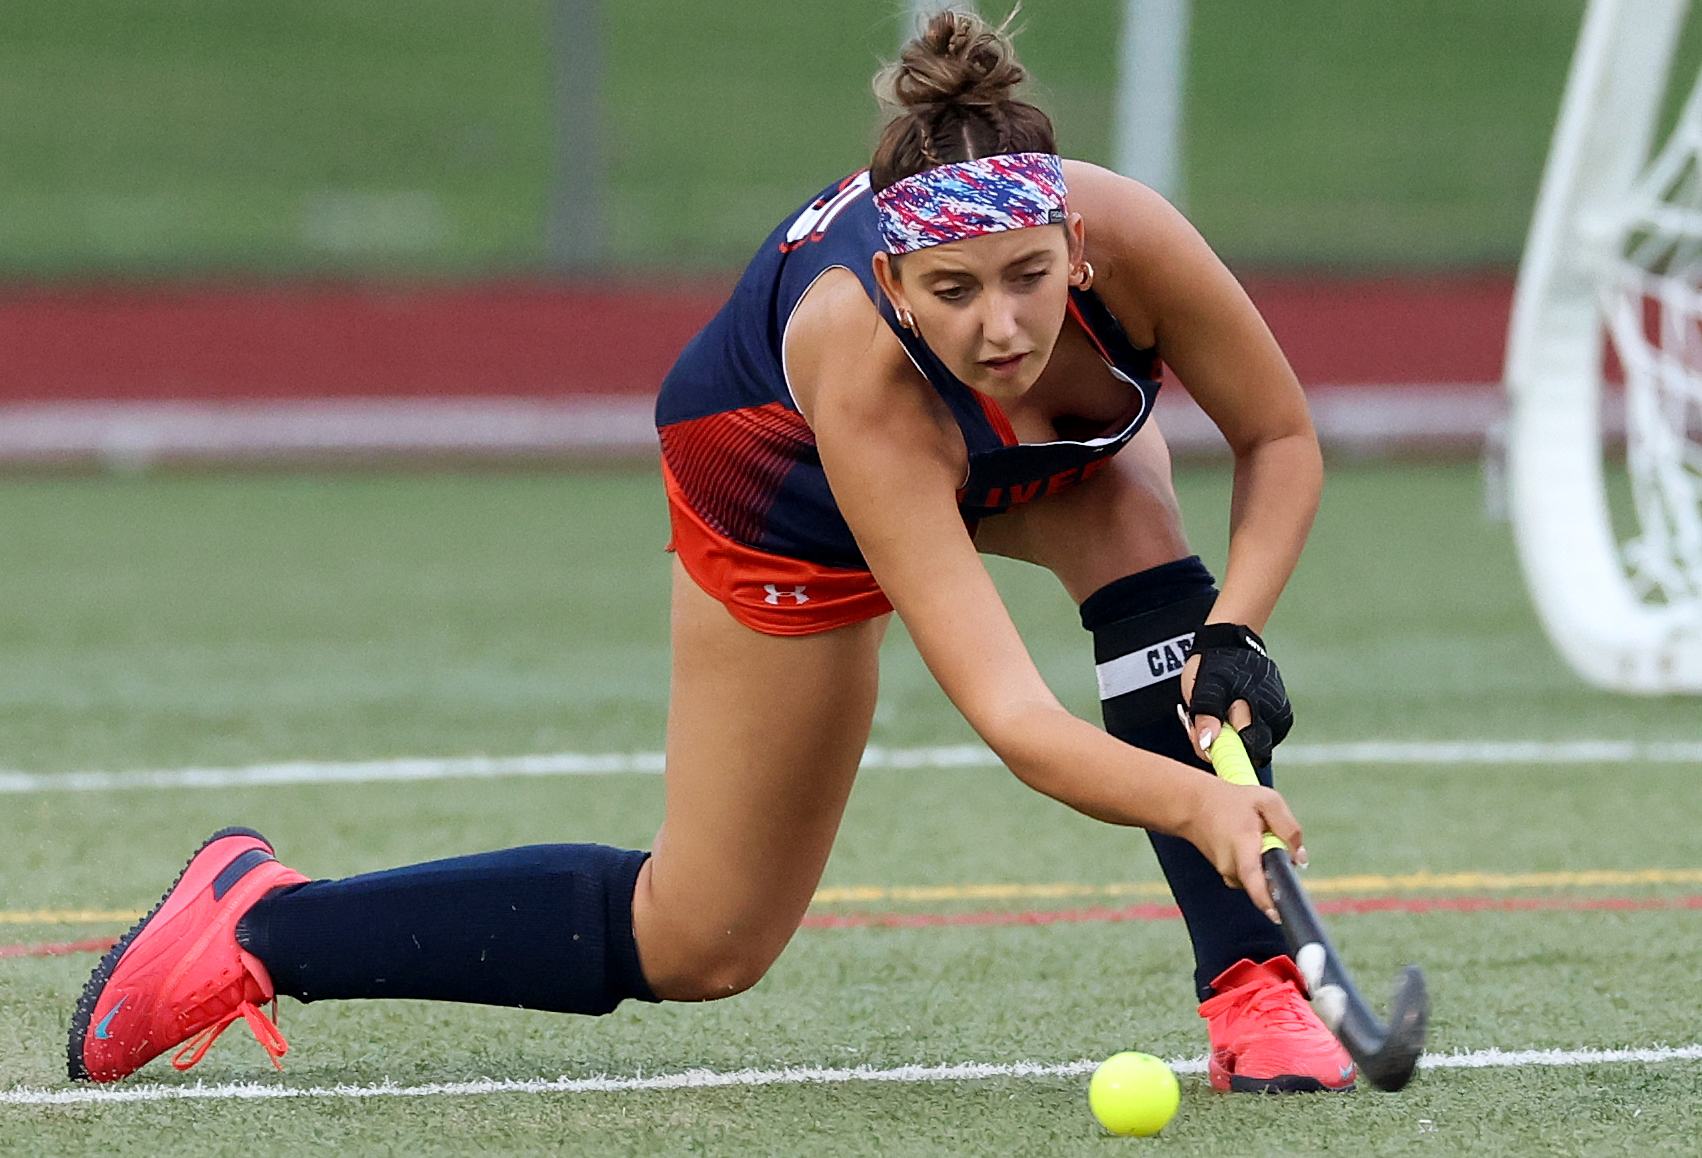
[(1122, 520), (764, 737)]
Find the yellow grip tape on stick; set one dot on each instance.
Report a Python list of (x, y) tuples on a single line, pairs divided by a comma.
[(1229, 759)]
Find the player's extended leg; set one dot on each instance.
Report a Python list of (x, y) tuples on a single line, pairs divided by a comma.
[(765, 738), (1117, 545)]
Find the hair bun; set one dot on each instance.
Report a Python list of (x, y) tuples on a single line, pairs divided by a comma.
[(950, 93), (959, 59)]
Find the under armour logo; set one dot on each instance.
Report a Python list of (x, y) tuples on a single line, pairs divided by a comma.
[(775, 595)]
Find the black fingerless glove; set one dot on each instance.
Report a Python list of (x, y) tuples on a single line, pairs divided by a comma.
[(1235, 666)]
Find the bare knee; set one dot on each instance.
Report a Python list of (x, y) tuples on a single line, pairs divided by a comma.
[(706, 972)]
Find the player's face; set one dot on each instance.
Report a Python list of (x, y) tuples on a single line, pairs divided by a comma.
[(991, 307)]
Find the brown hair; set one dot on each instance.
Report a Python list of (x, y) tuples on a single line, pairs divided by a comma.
[(951, 89)]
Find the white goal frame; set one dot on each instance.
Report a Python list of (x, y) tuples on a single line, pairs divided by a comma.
[(1600, 619)]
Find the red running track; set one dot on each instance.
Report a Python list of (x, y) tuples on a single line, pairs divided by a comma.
[(341, 341), (545, 340)]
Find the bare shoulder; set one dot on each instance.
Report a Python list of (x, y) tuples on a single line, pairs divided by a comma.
[(1148, 258), (836, 326), (1124, 216), (834, 316), (856, 385)]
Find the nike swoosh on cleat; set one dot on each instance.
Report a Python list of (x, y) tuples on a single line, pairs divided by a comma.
[(100, 1030)]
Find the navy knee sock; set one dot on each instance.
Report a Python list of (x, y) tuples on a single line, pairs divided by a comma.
[(1141, 627), (548, 927)]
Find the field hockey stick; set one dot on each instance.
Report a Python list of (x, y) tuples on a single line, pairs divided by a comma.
[(1385, 1054)]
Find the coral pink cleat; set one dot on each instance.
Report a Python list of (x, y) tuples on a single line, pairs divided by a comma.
[(179, 976), (1265, 1039)]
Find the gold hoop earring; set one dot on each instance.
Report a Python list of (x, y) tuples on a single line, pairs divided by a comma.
[(1083, 272), (907, 320)]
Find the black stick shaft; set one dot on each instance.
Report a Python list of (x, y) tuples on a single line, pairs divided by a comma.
[(1385, 1054)]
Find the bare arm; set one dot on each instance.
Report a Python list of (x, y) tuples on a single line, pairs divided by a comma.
[(1164, 275), (1161, 273), (894, 463)]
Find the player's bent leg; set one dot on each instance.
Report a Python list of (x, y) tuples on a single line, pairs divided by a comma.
[(1122, 520), (1264, 1036), (1142, 625), (764, 737), (1117, 546)]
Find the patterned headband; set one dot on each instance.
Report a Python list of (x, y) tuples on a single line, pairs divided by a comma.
[(969, 198)]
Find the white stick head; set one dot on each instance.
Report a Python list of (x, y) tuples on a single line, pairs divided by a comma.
[(1330, 1001), (1311, 962)]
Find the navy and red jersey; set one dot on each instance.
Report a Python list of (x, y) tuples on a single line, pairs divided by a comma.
[(746, 461)]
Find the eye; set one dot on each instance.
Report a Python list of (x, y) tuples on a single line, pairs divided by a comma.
[(951, 293), (1033, 276)]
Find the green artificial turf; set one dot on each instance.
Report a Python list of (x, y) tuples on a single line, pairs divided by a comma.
[(179, 620), (184, 136)]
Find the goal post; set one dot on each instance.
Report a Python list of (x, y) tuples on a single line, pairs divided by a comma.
[(1611, 265), (575, 222), (1152, 74)]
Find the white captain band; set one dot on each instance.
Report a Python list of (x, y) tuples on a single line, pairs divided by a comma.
[(1142, 669)]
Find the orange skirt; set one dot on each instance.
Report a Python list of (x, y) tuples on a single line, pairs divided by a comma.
[(768, 593)]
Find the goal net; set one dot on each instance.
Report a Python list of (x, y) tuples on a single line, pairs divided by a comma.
[(1653, 307), (1608, 320)]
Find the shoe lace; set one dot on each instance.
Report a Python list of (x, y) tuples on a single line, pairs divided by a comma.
[(1279, 1005), (265, 1030)]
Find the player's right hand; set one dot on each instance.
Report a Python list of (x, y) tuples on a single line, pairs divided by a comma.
[(1230, 830)]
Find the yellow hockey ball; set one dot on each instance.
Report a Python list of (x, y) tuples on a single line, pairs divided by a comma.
[(1133, 1093)]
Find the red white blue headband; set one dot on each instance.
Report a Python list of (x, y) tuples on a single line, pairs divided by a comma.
[(969, 198)]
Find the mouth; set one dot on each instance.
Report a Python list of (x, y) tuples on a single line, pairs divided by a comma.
[(1004, 367)]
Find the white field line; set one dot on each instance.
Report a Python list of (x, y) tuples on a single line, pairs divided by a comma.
[(1358, 420), (1484, 752), (792, 1076), (1494, 752)]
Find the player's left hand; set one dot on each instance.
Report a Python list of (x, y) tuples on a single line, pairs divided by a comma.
[(1231, 676)]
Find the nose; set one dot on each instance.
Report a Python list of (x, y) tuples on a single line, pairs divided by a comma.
[(999, 320)]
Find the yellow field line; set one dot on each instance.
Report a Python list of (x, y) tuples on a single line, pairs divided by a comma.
[(69, 916), (863, 894), (1489, 881), (1363, 883)]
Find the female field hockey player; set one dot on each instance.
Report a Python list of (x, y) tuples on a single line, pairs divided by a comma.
[(955, 351)]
